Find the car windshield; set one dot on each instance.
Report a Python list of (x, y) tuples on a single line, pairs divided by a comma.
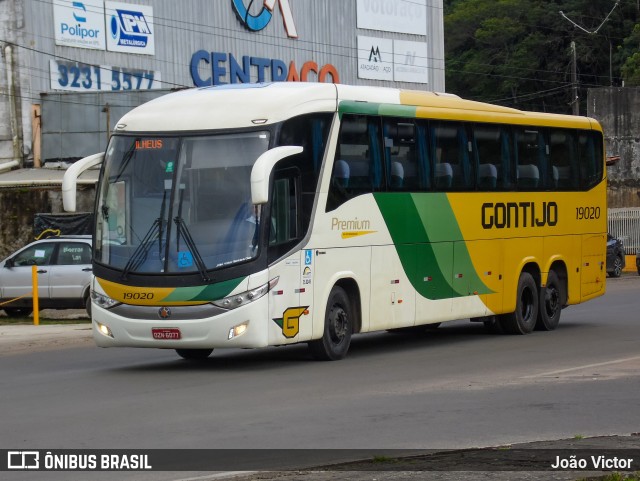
[(178, 204)]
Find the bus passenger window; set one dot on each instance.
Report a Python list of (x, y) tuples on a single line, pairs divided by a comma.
[(563, 159), (358, 158), (401, 159), (591, 159), (453, 169), (488, 145), (530, 158)]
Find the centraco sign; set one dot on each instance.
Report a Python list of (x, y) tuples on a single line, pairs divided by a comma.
[(218, 68)]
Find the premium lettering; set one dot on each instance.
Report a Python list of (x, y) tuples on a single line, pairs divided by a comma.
[(354, 224)]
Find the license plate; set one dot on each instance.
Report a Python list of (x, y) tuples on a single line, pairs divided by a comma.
[(166, 333)]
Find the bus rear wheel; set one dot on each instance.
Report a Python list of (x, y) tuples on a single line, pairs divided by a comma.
[(338, 327), (524, 319), (552, 299), (194, 354)]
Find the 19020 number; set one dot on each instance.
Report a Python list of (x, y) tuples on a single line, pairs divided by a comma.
[(138, 296), (587, 213)]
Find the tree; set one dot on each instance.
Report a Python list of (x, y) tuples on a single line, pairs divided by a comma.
[(517, 52)]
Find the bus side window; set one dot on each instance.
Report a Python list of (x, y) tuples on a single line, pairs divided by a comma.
[(530, 158), (563, 159), (401, 160), (506, 172), (453, 168), (360, 154), (285, 225), (487, 146), (311, 133), (591, 159)]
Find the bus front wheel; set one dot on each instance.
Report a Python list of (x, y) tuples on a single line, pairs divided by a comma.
[(551, 301), (338, 327), (194, 354), (523, 320)]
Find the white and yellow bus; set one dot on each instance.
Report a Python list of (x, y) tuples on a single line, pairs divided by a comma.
[(262, 215)]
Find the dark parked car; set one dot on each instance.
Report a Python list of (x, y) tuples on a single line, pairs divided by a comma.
[(638, 262), (615, 256), (64, 275)]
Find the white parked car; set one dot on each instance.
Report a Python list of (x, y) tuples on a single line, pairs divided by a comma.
[(64, 275)]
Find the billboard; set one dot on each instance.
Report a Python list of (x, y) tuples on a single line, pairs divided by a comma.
[(410, 61), (375, 58), (401, 16), (397, 60), (79, 24), (129, 28)]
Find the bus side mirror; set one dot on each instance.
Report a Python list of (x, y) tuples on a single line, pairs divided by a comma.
[(261, 171), (70, 179)]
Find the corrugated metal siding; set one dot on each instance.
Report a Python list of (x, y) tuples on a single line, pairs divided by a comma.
[(74, 125), (77, 125), (327, 34)]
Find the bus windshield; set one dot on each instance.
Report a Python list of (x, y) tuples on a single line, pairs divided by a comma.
[(178, 204)]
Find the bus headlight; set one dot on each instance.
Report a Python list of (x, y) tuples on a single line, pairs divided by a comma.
[(103, 300), (237, 300), (104, 330), (238, 330)]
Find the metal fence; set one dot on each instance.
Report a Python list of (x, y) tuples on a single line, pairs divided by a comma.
[(625, 225)]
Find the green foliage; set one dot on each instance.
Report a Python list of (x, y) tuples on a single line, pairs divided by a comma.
[(630, 52), (518, 52)]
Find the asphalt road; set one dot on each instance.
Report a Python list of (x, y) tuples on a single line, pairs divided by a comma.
[(456, 387)]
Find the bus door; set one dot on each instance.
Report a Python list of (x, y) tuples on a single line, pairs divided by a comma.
[(286, 313), (289, 300), (393, 298)]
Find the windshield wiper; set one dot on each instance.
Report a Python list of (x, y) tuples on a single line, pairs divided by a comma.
[(155, 232), (182, 230)]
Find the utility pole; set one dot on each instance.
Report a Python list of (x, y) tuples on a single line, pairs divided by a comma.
[(574, 75), (574, 81)]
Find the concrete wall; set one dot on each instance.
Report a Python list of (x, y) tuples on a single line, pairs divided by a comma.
[(19, 205), (618, 110)]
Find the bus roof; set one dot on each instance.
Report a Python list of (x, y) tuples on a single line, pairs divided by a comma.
[(248, 105)]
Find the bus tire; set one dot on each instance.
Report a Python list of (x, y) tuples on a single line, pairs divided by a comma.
[(523, 320), (552, 299), (338, 327), (194, 354)]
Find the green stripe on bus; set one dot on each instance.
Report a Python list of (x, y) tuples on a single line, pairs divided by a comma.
[(362, 108), (418, 225), (207, 293), (372, 108)]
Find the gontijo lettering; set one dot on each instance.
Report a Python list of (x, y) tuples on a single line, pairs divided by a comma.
[(504, 215)]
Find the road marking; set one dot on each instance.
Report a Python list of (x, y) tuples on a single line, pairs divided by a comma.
[(228, 474), (585, 366)]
